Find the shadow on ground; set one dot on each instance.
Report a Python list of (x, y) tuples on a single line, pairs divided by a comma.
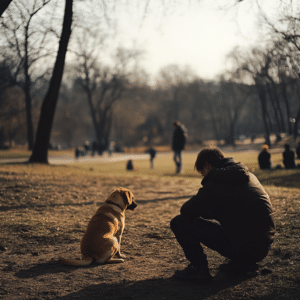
[(156, 288), (164, 288)]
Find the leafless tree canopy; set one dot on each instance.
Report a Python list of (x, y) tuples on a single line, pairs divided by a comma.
[(106, 96)]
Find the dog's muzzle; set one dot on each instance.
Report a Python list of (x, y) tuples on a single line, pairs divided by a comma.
[(132, 206)]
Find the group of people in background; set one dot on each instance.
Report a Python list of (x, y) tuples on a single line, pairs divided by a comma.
[(178, 143), (288, 158)]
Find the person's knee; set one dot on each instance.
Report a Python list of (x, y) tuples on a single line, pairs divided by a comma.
[(179, 222), (175, 223)]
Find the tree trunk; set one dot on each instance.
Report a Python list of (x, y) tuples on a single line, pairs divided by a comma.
[(27, 87), (41, 145), (213, 120), (276, 108), (297, 120), (287, 105), (263, 101), (29, 118), (3, 6)]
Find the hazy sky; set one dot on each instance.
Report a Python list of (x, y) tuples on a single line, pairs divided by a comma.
[(197, 35)]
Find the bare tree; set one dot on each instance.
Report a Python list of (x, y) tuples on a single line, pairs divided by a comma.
[(104, 86), (24, 46), (233, 100), (255, 67), (174, 80), (41, 144)]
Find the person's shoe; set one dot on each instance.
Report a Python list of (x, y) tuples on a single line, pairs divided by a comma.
[(238, 268), (191, 273)]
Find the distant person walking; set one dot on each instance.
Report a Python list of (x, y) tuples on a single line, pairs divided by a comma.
[(288, 157), (152, 153), (264, 158), (178, 144)]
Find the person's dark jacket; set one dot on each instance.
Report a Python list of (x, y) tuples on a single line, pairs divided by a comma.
[(233, 196), (298, 150), (264, 160), (289, 159), (179, 139)]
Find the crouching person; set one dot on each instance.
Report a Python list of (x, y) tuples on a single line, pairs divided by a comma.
[(231, 214)]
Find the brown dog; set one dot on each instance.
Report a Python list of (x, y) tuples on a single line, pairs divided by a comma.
[(102, 239)]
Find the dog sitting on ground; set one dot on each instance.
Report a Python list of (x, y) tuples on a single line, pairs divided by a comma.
[(102, 240)]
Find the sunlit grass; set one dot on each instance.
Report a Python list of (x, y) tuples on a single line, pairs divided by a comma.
[(164, 166), (17, 153)]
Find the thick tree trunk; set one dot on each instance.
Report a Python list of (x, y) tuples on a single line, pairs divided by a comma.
[(3, 6), (41, 145)]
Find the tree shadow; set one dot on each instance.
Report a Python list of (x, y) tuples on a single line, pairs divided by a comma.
[(159, 288)]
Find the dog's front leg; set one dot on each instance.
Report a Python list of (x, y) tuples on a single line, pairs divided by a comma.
[(119, 236)]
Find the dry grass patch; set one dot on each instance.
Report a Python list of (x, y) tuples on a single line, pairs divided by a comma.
[(44, 212)]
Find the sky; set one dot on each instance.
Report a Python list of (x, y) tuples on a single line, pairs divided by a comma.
[(199, 35)]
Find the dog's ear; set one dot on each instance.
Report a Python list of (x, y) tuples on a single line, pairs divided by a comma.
[(128, 197)]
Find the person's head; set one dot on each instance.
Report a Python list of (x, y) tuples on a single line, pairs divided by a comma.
[(287, 146), (207, 159), (176, 124), (265, 148)]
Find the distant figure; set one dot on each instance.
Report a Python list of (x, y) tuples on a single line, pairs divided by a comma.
[(130, 166), (86, 146), (298, 151), (288, 157), (264, 158), (152, 153), (94, 148), (178, 144), (111, 148), (77, 153)]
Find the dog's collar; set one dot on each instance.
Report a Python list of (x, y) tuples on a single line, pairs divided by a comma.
[(114, 204)]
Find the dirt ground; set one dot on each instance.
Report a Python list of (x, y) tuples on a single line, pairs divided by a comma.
[(43, 216)]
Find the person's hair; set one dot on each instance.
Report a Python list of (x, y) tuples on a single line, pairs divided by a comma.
[(287, 146), (176, 124), (265, 148), (209, 155)]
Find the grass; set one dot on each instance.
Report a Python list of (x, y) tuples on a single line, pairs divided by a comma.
[(164, 166), (19, 153)]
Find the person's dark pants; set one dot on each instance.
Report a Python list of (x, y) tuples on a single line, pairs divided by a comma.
[(178, 161), (192, 232)]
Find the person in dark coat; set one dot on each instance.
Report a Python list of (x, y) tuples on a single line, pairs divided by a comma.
[(178, 144), (264, 158), (298, 150), (152, 153), (129, 165), (288, 157), (231, 214)]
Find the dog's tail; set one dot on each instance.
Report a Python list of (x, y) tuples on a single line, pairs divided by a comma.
[(74, 262)]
